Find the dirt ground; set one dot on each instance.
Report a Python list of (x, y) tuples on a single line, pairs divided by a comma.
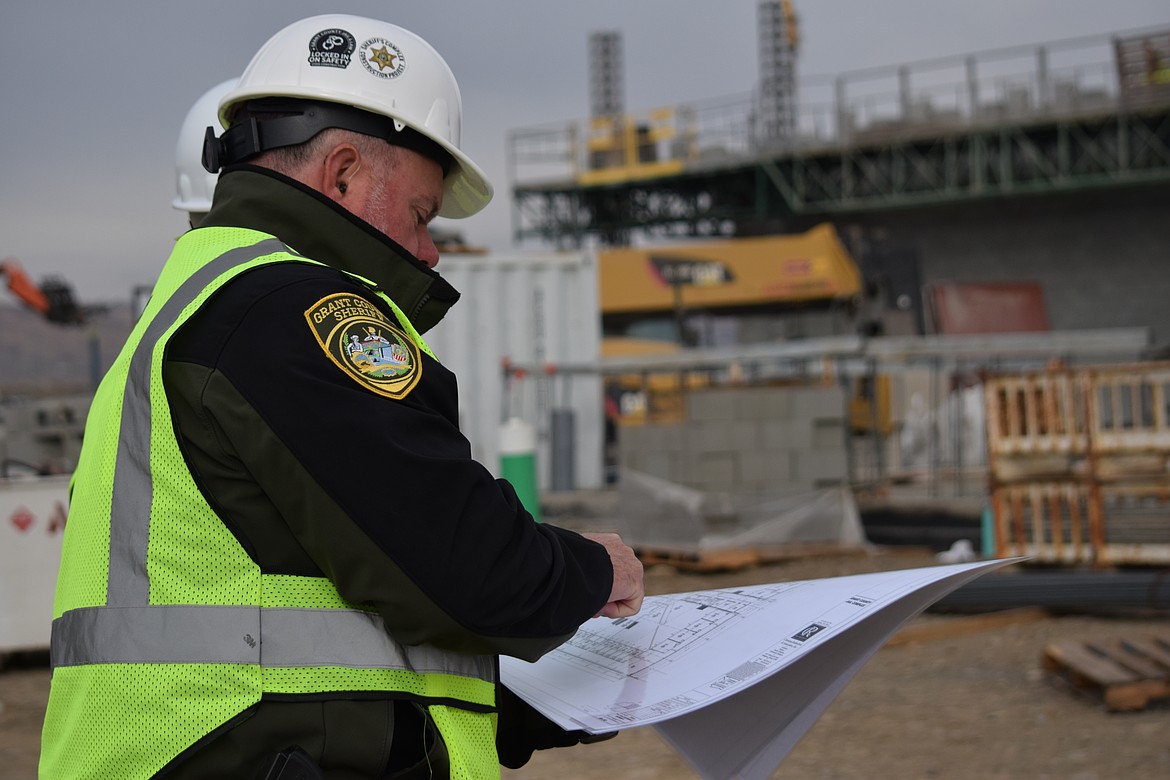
[(954, 698)]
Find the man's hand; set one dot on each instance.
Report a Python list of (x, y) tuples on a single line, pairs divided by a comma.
[(628, 587)]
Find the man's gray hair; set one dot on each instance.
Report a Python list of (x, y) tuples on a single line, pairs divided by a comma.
[(292, 160)]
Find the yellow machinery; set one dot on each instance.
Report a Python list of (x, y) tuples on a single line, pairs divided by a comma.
[(626, 148), (651, 397), (869, 405), (776, 271)]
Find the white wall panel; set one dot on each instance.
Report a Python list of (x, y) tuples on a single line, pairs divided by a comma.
[(534, 309), (32, 522)]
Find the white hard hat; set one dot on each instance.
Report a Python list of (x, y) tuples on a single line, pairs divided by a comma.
[(193, 184), (338, 60)]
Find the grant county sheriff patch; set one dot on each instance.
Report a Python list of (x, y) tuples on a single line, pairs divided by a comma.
[(365, 344)]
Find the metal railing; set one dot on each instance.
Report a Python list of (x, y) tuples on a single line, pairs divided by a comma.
[(950, 461), (1014, 85)]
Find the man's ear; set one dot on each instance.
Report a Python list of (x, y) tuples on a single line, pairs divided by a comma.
[(341, 164)]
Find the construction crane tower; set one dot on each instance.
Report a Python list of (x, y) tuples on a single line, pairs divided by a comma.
[(779, 41)]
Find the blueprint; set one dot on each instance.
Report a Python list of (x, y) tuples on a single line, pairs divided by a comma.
[(731, 677)]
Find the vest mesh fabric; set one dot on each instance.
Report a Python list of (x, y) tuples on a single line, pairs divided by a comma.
[(475, 736), (135, 717), (118, 721)]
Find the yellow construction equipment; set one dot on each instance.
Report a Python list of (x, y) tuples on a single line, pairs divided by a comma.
[(626, 148), (774, 271), (771, 273)]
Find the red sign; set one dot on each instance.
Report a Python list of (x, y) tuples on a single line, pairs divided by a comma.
[(22, 519)]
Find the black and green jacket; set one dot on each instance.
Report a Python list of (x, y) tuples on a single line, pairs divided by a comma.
[(316, 474)]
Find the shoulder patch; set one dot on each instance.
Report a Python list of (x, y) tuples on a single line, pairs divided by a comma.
[(364, 343)]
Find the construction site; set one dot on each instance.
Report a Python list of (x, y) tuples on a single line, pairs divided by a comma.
[(886, 319)]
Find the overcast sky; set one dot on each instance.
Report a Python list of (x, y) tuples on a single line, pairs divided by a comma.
[(94, 93)]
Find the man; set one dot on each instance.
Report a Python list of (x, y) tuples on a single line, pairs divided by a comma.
[(194, 184), (281, 558)]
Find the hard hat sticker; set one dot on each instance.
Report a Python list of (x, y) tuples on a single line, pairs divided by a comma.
[(331, 48), (360, 340), (382, 58)]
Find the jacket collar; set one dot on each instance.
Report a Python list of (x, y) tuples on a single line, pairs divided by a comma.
[(313, 226)]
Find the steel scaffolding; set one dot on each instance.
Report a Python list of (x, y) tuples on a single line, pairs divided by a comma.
[(1063, 116)]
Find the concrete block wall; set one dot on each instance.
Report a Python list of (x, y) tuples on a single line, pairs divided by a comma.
[(761, 441), (1100, 255)]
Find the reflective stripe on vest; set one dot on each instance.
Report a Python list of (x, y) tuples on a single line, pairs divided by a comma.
[(128, 629), (287, 637)]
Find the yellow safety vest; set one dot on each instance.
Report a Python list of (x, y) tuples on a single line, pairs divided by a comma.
[(164, 628)]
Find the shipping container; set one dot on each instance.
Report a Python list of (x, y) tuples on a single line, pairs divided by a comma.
[(533, 310)]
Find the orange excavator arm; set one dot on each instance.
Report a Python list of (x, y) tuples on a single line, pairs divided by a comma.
[(20, 285), (53, 298)]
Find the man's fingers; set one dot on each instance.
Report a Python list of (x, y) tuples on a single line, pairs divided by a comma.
[(623, 608), (625, 597)]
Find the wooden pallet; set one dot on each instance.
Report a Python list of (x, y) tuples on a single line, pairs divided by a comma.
[(736, 558), (700, 560), (1127, 674)]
